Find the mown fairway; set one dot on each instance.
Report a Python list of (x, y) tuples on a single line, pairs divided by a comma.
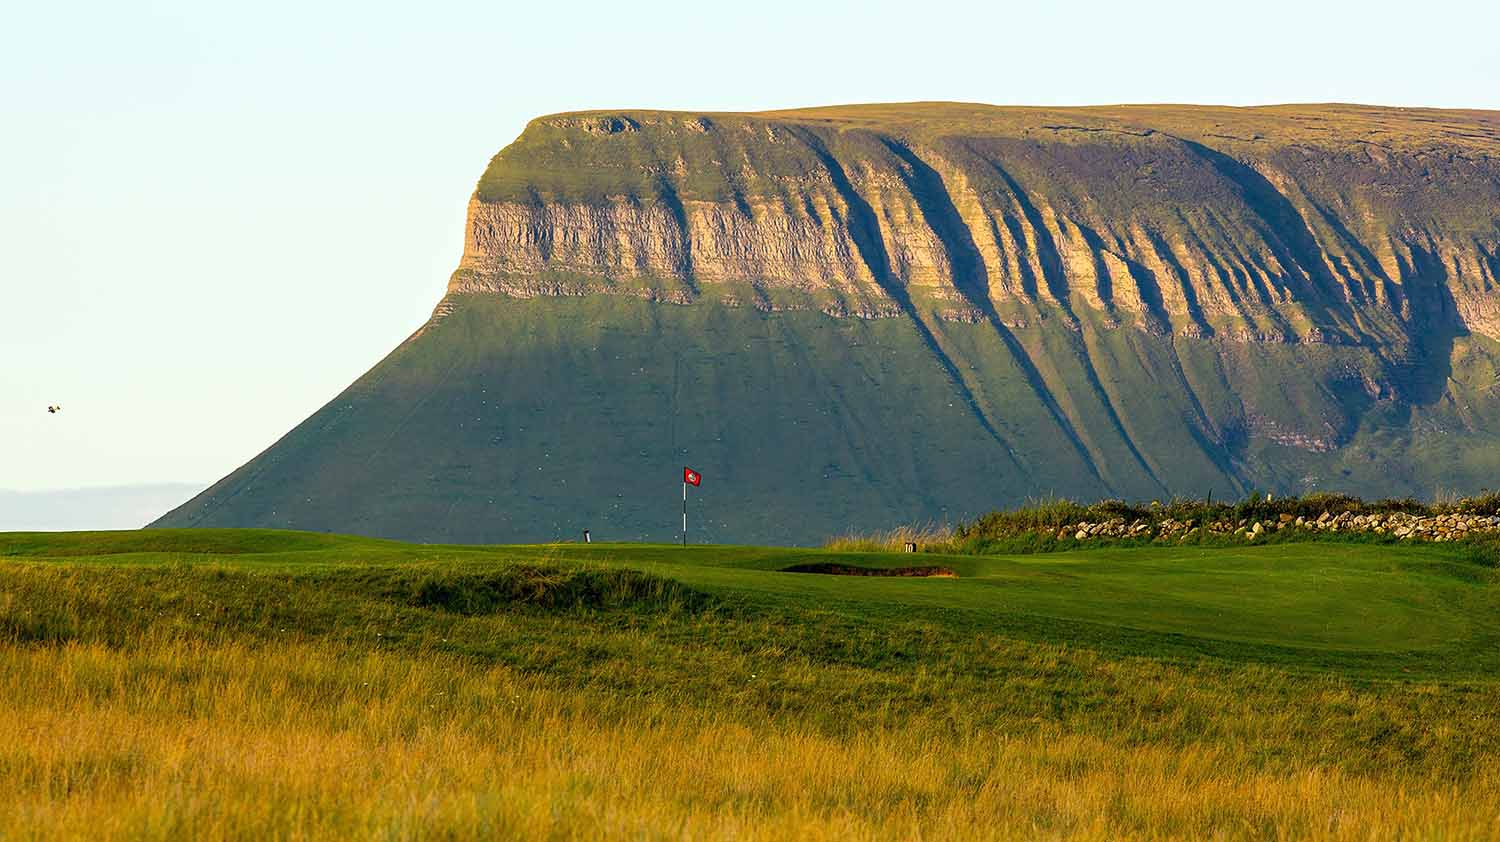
[(262, 684)]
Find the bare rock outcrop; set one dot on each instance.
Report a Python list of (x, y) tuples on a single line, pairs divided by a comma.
[(1160, 219)]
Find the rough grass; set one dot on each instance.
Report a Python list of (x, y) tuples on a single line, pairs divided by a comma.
[(554, 588), (357, 689), (175, 740), (893, 540)]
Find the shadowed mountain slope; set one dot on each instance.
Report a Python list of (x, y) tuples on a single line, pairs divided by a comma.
[(854, 316)]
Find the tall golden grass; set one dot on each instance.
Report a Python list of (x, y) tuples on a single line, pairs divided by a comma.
[(927, 537), (214, 739)]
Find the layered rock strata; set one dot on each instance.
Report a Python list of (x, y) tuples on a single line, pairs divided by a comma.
[(1299, 224)]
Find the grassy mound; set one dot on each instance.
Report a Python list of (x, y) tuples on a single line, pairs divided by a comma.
[(552, 588), (51, 604)]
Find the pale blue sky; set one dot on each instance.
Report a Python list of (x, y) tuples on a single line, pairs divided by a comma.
[(213, 217)]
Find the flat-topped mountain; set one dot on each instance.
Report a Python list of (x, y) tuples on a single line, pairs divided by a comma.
[(849, 317)]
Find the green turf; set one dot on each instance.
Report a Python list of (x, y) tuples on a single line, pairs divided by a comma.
[(1361, 609), (1363, 657)]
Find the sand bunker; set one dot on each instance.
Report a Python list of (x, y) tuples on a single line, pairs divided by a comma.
[(851, 570)]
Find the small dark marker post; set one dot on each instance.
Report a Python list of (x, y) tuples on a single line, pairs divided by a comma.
[(586, 539)]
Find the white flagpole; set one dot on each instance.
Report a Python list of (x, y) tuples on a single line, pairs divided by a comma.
[(684, 510)]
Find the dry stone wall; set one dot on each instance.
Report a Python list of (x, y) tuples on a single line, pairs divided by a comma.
[(1402, 525)]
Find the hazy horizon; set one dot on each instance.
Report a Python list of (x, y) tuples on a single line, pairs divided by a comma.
[(93, 507)]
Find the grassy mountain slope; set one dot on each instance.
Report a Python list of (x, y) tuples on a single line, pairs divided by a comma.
[(559, 415), (535, 419)]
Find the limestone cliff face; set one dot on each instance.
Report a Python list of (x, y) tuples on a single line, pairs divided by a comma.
[(1309, 224)]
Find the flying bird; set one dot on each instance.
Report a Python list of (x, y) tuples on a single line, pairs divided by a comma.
[(53, 410)]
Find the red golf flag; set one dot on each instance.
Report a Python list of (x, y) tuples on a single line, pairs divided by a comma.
[(691, 477)]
